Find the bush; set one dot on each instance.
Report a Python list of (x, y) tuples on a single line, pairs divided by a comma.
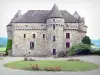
[(96, 52), (73, 59), (25, 59), (62, 54), (35, 67), (9, 46), (57, 68), (79, 49), (31, 59), (86, 40)]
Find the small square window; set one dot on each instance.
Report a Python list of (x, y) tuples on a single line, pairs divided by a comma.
[(31, 45), (24, 35), (54, 39), (53, 26), (43, 35), (33, 35), (53, 20), (67, 44), (67, 35)]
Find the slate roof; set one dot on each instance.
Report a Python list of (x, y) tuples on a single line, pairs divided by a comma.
[(40, 16), (55, 13)]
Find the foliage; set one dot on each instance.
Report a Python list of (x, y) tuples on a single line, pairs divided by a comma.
[(25, 59), (35, 67), (86, 40), (57, 68), (9, 45), (79, 49), (62, 54), (96, 52), (74, 59)]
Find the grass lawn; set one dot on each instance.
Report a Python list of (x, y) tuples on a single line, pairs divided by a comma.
[(1, 58), (64, 65), (2, 49)]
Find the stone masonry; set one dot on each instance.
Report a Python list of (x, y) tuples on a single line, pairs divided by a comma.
[(44, 32)]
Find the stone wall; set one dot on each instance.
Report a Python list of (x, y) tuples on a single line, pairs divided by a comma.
[(44, 46), (21, 45)]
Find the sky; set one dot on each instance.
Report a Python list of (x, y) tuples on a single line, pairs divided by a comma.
[(90, 9)]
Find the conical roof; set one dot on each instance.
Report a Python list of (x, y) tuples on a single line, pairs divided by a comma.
[(17, 16), (81, 20), (76, 15), (55, 12)]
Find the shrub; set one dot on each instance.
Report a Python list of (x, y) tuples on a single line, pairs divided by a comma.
[(9, 46), (31, 59), (73, 59), (62, 54), (86, 40), (79, 49), (25, 59), (35, 67), (96, 52), (57, 68)]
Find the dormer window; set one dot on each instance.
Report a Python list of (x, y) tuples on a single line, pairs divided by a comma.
[(53, 20)]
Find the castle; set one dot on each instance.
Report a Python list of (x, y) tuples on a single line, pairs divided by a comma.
[(45, 32)]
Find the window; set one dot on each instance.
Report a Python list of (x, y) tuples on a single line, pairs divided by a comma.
[(33, 35), (24, 35), (67, 44), (43, 35), (53, 26), (54, 51), (54, 38), (53, 20), (67, 35), (31, 45)]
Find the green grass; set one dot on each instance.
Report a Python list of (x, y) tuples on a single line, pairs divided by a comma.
[(64, 64), (2, 49), (1, 58)]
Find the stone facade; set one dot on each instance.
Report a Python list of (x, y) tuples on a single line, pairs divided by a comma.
[(49, 36)]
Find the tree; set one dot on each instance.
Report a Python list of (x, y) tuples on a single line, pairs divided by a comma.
[(86, 40), (9, 45)]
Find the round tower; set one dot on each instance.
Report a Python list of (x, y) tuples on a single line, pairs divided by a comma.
[(82, 27), (9, 31), (55, 24)]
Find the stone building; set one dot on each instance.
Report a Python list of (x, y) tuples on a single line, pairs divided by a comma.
[(45, 32)]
